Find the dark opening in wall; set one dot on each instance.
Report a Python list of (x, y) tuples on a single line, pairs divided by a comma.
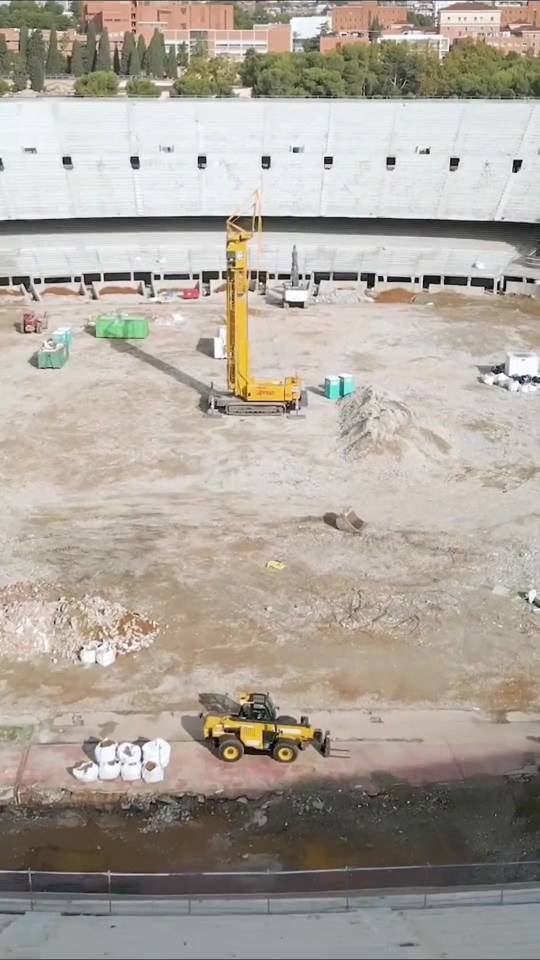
[(135, 163), (266, 162), (430, 278), (176, 276), (455, 281), (145, 276), (56, 279), (424, 150), (390, 163), (201, 161), (328, 161), (91, 277), (29, 149), (297, 149), (399, 279), (67, 162), (1, 164), (516, 165), (454, 164), (345, 276), (25, 281), (116, 276)]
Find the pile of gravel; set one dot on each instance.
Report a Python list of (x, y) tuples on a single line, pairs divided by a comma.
[(371, 421), (35, 621)]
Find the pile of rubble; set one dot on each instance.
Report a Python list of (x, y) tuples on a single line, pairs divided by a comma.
[(516, 377), (37, 620)]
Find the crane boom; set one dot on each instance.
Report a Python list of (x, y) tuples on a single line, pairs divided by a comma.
[(249, 396)]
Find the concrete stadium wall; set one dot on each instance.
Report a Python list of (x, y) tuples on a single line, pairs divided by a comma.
[(68, 158)]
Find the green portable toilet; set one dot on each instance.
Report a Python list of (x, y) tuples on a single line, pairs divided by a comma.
[(331, 388), (346, 384)]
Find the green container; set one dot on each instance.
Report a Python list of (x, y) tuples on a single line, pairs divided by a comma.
[(53, 359), (346, 384), (122, 328), (331, 388)]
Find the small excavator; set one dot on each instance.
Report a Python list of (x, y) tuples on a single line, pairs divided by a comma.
[(247, 396), (255, 725), (295, 291)]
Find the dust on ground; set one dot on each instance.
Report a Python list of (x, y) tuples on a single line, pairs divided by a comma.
[(116, 484)]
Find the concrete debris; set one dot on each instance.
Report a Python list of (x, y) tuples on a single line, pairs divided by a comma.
[(34, 622), (513, 382), (349, 522)]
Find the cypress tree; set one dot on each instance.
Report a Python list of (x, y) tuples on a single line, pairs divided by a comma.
[(172, 66), (134, 66), (116, 59), (77, 62), (36, 72), (53, 57), (156, 55), (36, 48), (127, 48), (23, 43), (5, 63), (141, 47), (91, 47), (103, 58)]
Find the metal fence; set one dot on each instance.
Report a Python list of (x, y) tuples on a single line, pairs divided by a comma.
[(349, 880)]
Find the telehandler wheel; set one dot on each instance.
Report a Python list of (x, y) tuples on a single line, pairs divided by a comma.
[(285, 751), (230, 749)]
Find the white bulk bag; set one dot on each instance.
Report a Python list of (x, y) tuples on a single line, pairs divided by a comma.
[(501, 378), (131, 770), (109, 770), (105, 751), (488, 378), (85, 770), (158, 750), (152, 772), (512, 386), (105, 655), (87, 655), (126, 752)]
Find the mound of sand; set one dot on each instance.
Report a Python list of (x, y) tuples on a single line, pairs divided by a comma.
[(397, 295), (371, 421), (36, 621)]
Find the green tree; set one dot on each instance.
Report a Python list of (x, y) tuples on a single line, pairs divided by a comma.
[(23, 43), (103, 56), (134, 65), (420, 19), (36, 73), (141, 47), (5, 61), (98, 84), (36, 48), (172, 66), (52, 64), (5, 87), (182, 55), (155, 60), (75, 8), (142, 87), (77, 61), (116, 59), (20, 73), (127, 49), (375, 29), (207, 78), (91, 47)]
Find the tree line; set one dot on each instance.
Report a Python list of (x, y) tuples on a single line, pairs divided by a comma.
[(393, 70)]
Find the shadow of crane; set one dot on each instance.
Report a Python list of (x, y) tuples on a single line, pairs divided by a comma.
[(131, 349)]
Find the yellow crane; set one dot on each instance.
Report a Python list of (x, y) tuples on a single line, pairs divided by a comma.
[(248, 396)]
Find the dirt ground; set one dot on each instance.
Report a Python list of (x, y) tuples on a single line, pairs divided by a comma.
[(115, 482)]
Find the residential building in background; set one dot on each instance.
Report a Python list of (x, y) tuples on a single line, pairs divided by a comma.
[(359, 17), (209, 26), (470, 20), (420, 39)]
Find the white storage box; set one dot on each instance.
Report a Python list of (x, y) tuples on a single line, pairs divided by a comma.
[(521, 365), (220, 350)]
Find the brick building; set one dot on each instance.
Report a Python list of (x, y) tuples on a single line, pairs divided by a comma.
[(65, 39), (120, 16), (358, 17)]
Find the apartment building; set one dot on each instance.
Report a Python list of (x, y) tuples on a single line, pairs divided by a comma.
[(419, 39), (358, 17), (470, 20), (234, 44), (121, 16)]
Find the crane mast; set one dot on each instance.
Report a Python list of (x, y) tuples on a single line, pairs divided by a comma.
[(248, 396)]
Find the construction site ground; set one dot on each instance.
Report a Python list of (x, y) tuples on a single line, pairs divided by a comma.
[(116, 483)]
